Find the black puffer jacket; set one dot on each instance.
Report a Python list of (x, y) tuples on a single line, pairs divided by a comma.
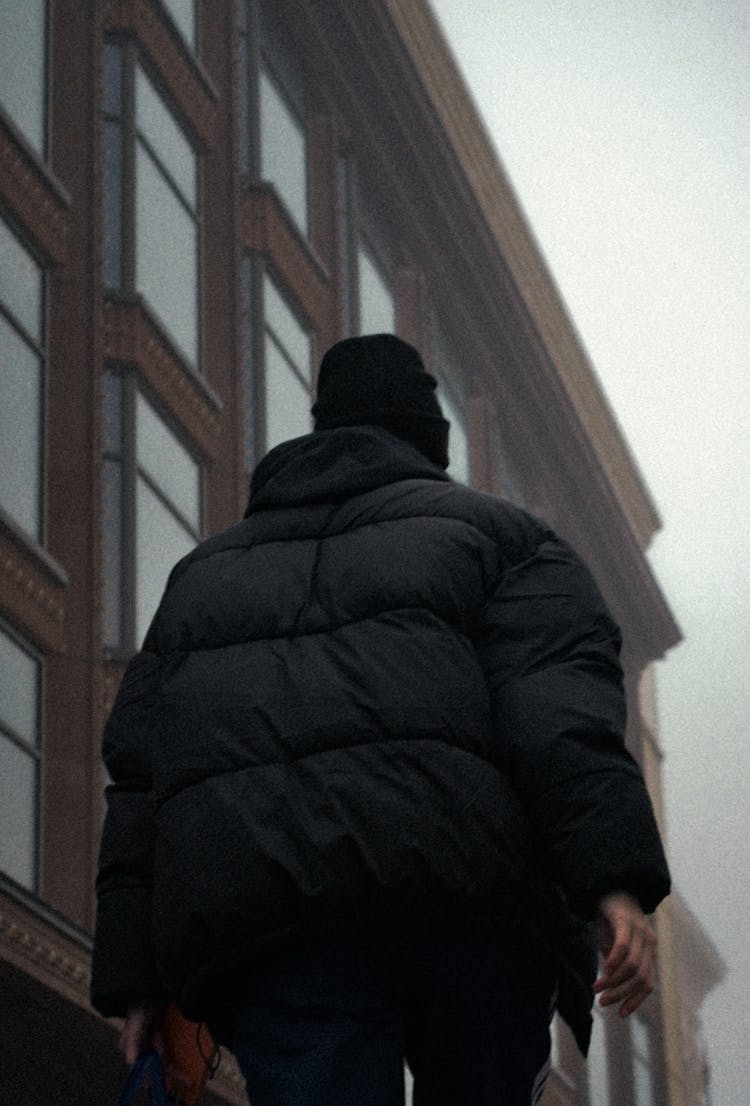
[(381, 699)]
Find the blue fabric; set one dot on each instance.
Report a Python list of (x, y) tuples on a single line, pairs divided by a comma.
[(147, 1069), (332, 1026)]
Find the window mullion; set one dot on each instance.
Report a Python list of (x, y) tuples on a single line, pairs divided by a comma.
[(253, 89), (129, 275), (129, 520)]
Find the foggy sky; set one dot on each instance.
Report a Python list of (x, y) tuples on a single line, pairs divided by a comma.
[(624, 126)]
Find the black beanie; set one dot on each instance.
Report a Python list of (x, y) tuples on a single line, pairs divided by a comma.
[(380, 380)]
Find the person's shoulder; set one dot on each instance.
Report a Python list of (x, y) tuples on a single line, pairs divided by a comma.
[(235, 537), (497, 518)]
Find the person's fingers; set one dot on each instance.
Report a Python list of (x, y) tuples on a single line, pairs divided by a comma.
[(132, 1038), (631, 989)]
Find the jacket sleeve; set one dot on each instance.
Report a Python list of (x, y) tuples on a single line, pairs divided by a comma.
[(123, 968), (550, 652)]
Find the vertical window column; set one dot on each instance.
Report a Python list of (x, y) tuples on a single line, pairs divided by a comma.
[(21, 383), (273, 104), (151, 208), (152, 510), (277, 365), (20, 711), (377, 305), (448, 372)]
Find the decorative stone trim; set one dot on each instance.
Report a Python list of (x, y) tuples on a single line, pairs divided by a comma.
[(188, 83), (29, 599), (265, 228), (33, 946), (131, 337), (30, 195)]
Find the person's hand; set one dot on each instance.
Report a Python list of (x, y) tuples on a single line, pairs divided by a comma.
[(628, 946), (142, 1030)]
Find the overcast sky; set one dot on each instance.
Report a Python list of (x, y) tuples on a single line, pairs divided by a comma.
[(625, 128)]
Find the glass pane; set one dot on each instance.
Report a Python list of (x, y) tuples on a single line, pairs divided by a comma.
[(167, 140), (20, 283), (183, 13), (163, 457), (287, 331), (112, 79), (458, 446), (166, 256), (19, 690), (160, 542), (113, 413), (112, 553), (283, 160), (112, 204), (287, 400), (23, 67), (249, 383), (20, 430), (18, 786), (377, 310)]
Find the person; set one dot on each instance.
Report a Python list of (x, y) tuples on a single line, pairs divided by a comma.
[(370, 793)]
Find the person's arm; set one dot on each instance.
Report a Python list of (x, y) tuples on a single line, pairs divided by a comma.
[(123, 968), (550, 652)]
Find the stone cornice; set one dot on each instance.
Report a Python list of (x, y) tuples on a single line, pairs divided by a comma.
[(55, 954), (431, 56)]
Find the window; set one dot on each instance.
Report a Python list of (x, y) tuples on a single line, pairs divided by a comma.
[(152, 509), (20, 703), (288, 364), (377, 307), (151, 225), (23, 69), (21, 383), (367, 302), (447, 369), (284, 349), (183, 17), (273, 103)]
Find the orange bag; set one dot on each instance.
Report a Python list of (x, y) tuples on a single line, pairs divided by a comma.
[(191, 1055)]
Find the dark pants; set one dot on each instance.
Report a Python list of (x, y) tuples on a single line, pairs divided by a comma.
[(332, 1027)]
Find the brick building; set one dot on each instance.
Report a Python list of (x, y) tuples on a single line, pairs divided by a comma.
[(196, 199)]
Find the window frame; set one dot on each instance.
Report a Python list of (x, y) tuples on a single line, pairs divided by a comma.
[(258, 54), (256, 332), (131, 472), (452, 390), (132, 138), (358, 230), (39, 348), (193, 47), (34, 752)]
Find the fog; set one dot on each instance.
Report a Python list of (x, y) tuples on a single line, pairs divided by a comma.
[(624, 128)]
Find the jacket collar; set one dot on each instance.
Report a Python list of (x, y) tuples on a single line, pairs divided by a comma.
[(335, 464)]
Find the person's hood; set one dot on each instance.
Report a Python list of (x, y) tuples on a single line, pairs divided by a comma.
[(336, 464)]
